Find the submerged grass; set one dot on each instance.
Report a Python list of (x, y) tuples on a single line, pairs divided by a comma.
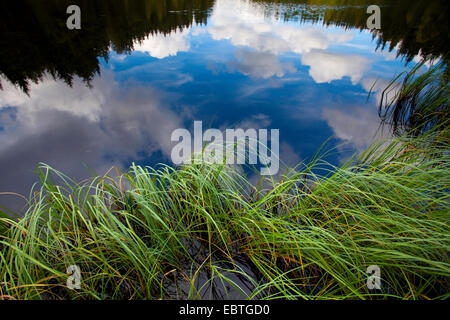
[(204, 231), (421, 100)]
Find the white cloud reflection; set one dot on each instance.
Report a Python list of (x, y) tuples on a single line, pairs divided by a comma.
[(326, 66), (260, 64), (357, 127), (69, 128), (246, 23), (161, 45), (261, 37)]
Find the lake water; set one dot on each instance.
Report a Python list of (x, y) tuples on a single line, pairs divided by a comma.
[(113, 92)]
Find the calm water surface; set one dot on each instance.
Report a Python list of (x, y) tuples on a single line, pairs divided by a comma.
[(113, 92)]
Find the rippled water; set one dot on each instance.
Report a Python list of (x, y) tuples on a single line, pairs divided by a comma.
[(113, 92)]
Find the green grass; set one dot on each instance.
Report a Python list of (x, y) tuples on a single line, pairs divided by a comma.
[(203, 231), (421, 100)]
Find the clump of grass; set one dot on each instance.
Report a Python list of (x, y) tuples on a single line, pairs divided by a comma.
[(203, 231), (420, 102)]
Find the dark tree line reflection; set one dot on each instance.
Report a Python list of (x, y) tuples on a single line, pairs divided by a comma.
[(34, 37)]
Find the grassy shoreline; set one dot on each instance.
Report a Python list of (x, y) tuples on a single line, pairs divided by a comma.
[(203, 231)]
